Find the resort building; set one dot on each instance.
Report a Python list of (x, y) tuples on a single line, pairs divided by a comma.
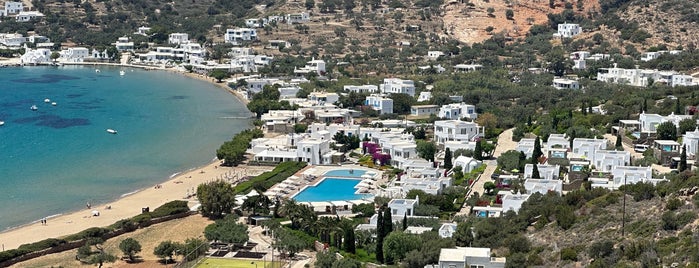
[(565, 83), (322, 97), (177, 38), (557, 141), (313, 66), (454, 130), (605, 160), (25, 16), (36, 56), (424, 96), (277, 44), (468, 257), (379, 103), (466, 163), (238, 35), (642, 77), (143, 30), (546, 172), (13, 40), (124, 44), (362, 89), (75, 54), (691, 142), (513, 202), (434, 55), (649, 122), (397, 85), (447, 230), (586, 148), (467, 68), (295, 18), (526, 145), (622, 175), (543, 186), (12, 8), (403, 207), (255, 23), (456, 111)]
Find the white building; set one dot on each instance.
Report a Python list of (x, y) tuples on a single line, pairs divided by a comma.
[(143, 30), (12, 39), (513, 202), (543, 186), (557, 141), (294, 18), (568, 30), (35, 56), (447, 230), (605, 160), (434, 55), (402, 207), (455, 130), (25, 16), (238, 35), (643, 77), (683, 80), (379, 103), (362, 89), (467, 164), (456, 111), (178, 38), (124, 44), (586, 148), (422, 110), (397, 85), (75, 54), (649, 56), (546, 172), (12, 8), (313, 66), (314, 151), (691, 142), (625, 175), (424, 96), (649, 122), (322, 97), (466, 68), (526, 145), (565, 83), (468, 257), (255, 23)]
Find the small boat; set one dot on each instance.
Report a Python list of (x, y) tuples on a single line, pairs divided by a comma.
[(2, 123), (97, 70), (34, 108), (111, 131), (47, 100), (122, 73), (54, 103)]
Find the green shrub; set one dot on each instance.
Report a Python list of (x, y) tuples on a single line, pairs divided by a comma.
[(268, 179), (673, 204), (569, 254), (170, 208), (43, 244), (94, 232), (12, 253)]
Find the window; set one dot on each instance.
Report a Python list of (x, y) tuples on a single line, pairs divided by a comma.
[(394, 212), (477, 266)]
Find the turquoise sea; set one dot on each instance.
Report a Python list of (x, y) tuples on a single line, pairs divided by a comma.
[(58, 158)]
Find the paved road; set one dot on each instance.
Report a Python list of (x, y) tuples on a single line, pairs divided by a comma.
[(635, 155), (505, 144)]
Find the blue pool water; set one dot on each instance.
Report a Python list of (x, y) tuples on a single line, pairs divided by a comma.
[(351, 173), (57, 158), (330, 189)]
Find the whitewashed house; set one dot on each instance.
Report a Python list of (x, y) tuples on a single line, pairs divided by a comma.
[(467, 164), (513, 202), (543, 186), (526, 145), (605, 160), (546, 172), (649, 56), (12, 8), (238, 35), (434, 55), (322, 97), (649, 122), (36, 56), (455, 130), (295, 18), (424, 96), (361, 89), (643, 77), (379, 103), (255, 85), (255, 23), (691, 142), (466, 68), (143, 30), (625, 175), (12, 39), (568, 30), (586, 148), (683, 80), (177, 38), (313, 66), (467, 257), (25, 16), (557, 141), (422, 110), (397, 85), (565, 83), (75, 54), (447, 230), (314, 151), (456, 111), (402, 207), (124, 44)]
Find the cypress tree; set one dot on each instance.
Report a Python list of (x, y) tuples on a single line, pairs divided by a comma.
[(583, 109), (447, 159), (537, 149), (387, 222), (405, 221), (379, 236), (478, 151), (349, 241), (644, 108), (589, 108), (683, 159), (571, 138), (677, 106), (618, 145), (535, 173), (522, 161)]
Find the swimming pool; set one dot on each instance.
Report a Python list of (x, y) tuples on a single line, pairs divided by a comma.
[(352, 173), (330, 189)]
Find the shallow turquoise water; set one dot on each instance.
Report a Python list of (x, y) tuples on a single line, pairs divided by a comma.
[(352, 173), (330, 189), (56, 159)]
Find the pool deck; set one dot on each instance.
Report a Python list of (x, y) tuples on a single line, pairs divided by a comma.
[(313, 175)]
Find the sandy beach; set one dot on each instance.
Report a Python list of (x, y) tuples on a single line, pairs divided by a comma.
[(177, 188), (180, 187)]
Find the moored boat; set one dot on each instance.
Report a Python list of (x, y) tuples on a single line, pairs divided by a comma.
[(111, 131)]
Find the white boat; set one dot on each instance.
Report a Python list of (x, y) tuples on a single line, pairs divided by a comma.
[(111, 131), (34, 108), (97, 70), (2, 123), (122, 73), (47, 100), (54, 103)]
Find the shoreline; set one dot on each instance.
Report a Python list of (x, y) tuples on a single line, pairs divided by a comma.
[(180, 185)]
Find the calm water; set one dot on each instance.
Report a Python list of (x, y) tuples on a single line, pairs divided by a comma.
[(56, 159), (330, 189), (353, 173)]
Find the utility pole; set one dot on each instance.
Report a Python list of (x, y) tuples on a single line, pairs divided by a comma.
[(623, 214)]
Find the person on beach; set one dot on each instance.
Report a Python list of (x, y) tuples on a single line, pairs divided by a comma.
[(88, 205)]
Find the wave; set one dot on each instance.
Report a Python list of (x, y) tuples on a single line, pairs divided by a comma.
[(130, 193)]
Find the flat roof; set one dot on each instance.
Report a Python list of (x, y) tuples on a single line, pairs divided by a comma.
[(666, 142), (459, 254)]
